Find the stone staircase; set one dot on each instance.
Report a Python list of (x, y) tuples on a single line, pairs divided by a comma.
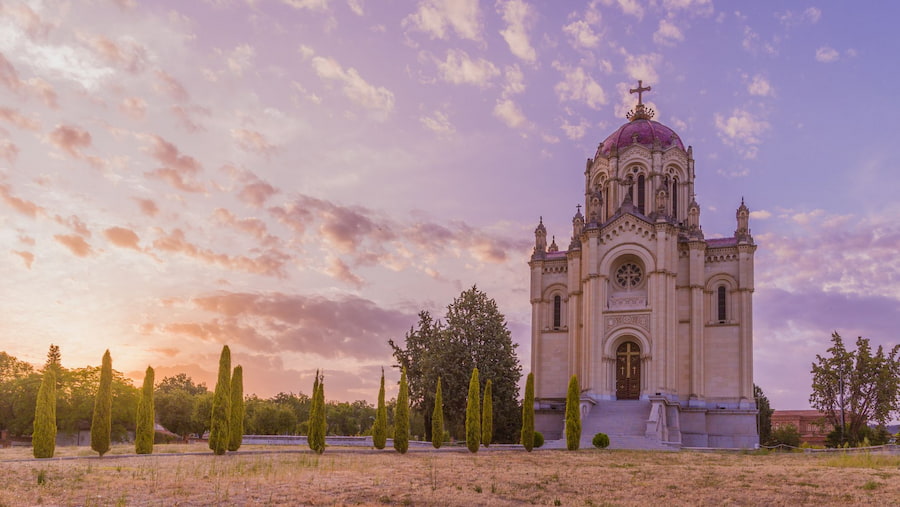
[(625, 421)]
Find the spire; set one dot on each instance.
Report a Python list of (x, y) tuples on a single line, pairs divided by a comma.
[(577, 229), (640, 111), (540, 239), (553, 247), (693, 219), (742, 233)]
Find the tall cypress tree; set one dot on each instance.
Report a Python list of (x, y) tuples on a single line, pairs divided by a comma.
[(379, 430), (573, 415), (221, 407), (144, 430), (43, 438), (321, 422), (437, 418), (487, 416), (473, 414), (528, 414), (101, 423), (401, 416), (312, 431), (236, 419)]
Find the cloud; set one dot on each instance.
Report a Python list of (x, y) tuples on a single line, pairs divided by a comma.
[(509, 113), (826, 54), (581, 35), (742, 130), (515, 81), (438, 17), (9, 151), (125, 53), (643, 67), (252, 226), (148, 207), (180, 170), (631, 8), (356, 6), (27, 257), (578, 86), (253, 141), (76, 244), (70, 139), (27, 208), (667, 34), (355, 88), (519, 17), (270, 263), (438, 123), (573, 131), (122, 237), (760, 215), (458, 68), (23, 122), (240, 59), (810, 15), (339, 270), (760, 86), (168, 85), (313, 5), (135, 107), (256, 192)]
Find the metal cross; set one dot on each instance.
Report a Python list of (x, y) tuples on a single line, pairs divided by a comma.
[(640, 90)]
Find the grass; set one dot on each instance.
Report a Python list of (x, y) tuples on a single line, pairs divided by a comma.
[(192, 475)]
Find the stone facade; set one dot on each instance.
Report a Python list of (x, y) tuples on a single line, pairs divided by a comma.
[(641, 305)]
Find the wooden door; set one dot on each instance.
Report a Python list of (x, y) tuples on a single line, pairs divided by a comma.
[(628, 371)]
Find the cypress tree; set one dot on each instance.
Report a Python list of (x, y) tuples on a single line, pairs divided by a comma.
[(487, 416), (144, 430), (437, 418), (221, 407), (473, 414), (379, 430), (101, 423), (573, 415), (312, 429), (236, 421), (43, 439), (528, 414), (401, 416), (321, 423)]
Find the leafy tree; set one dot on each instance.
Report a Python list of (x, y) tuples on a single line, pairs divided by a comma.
[(475, 336), (44, 436), (786, 434), (175, 409), (528, 414), (346, 418), (181, 382), (765, 415), (379, 431), (19, 386), (101, 423), (268, 417), (144, 433), (401, 416), (473, 414), (236, 417), (487, 416), (573, 415), (437, 418), (221, 406), (201, 413), (856, 384)]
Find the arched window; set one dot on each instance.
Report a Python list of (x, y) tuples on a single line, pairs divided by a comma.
[(557, 312), (674, 194), (641, 191), (721, 304)]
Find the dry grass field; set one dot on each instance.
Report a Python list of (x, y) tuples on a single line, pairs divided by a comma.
[(190, 475)]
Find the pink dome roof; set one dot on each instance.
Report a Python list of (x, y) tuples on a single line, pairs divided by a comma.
[(648, 131)]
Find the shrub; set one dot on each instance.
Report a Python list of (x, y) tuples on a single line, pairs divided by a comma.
[(143, 433), (487, 416), (401, 416), (601, 441), (221, 406), (473, 414), (437, 418), (44, 434), (786, 435), (538, 440), (101, 422), (573, 415), (528, 414), (236, 419), (379, 429)]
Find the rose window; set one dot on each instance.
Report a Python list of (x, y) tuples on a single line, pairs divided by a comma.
[(629, 276)]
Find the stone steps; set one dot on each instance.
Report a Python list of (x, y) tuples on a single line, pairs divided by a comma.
[(625, 421)]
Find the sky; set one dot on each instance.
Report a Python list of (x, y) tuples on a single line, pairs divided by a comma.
[(299, 178)]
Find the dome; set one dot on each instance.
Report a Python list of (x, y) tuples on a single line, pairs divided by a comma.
[(641, 131)]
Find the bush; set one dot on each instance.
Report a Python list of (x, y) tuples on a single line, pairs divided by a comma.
[(538, 440), (401, 416), (528, 414), (573, 415), (601, 441), (786, 435)]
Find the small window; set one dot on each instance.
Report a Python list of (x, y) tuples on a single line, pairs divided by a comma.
[(641, 191), (557, 312), (674, 197), (721, 304)]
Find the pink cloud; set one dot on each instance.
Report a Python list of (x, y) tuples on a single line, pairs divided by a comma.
[(251, 140), (256, 193), (169, 155), (8, 75), (9, 151), (135, 107), (76, 244), (339, 270), (75, 224), (148, 207), (70, 139), (24, 207), (175, 179), (122, 237), (127, 54), (27, 257), (186, 115), (270, 263), (23, 122), (170, 86)]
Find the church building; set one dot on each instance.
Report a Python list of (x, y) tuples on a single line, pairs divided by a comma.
[(653, 318)]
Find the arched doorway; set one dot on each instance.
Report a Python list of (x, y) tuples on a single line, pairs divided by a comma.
[(628, 371)]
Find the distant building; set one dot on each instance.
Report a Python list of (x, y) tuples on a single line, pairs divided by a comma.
[(653, 318), (811, 424)]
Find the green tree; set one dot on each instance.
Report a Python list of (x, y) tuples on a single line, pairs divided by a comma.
[(856, 385), (145, 431), (401, 416), (473, 414), (528, 414), (221, 406), (765, 415), (44, 435), (101, 423), (437, 418), (19, 385), (317, 420), (236, 419), (54, 361), (487, 416), (475, 336), (379, 431), (786, 434), (312, 432), (573, 415)]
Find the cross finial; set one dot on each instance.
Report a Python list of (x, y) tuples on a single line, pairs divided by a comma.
[(640, 91)]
